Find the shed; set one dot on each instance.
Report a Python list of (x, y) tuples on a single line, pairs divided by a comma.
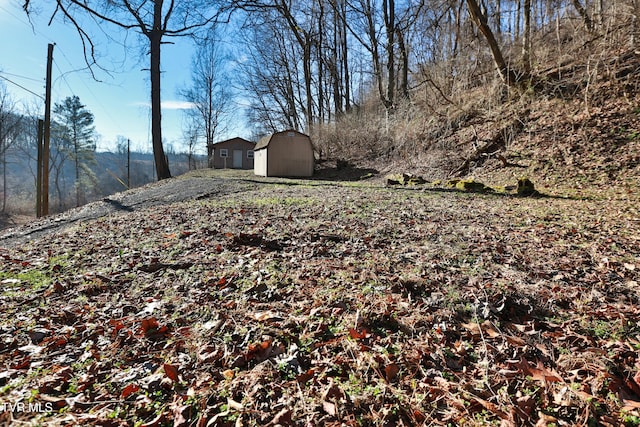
[(286, 153), (234, 153)]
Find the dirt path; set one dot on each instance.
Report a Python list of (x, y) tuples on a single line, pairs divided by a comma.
[(190, 187)]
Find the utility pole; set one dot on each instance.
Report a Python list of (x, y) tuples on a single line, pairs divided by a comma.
[(39, 172), (47, 134), (128, 164)]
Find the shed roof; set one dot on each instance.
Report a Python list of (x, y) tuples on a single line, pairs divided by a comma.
[(264, 141), (234, 139)]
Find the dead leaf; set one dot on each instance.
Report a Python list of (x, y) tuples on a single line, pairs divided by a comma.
[(630, 405), (391, 371), (148, 324), (262, 351), (171, 371), (181, 415), (129, 390), (636, 378), (539, 373), (358, 335), (545, 420), (282, 418), (154, 422), (492, 407), (262, 316), (329, 408), (516, 341), (232, 404), (305, 376)]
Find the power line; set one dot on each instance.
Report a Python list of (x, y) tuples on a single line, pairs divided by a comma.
[(17, 18), (20, 76), (22, 87)]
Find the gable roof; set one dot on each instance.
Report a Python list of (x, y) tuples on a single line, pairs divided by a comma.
[(236, 139), (264, 141)]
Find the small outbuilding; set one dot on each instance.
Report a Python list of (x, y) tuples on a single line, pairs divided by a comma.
[(235, 153), (287, 153)]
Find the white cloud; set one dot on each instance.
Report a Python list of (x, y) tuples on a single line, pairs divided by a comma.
[(177, 105), (166, 105)]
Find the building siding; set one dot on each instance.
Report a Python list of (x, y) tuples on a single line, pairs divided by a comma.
[(233, 147), (288, 153)]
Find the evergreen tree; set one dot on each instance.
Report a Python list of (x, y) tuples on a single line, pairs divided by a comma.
[(77, 136)]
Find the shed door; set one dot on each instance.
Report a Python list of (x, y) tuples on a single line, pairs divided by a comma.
[(237, 159)]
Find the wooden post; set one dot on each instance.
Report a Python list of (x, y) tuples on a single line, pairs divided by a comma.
[(47, 134), (40, 169), (128, 164)]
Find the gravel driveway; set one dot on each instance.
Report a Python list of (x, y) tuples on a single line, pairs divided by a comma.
[(189, 187)]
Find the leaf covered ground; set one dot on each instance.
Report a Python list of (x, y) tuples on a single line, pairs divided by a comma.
[(307, 303)]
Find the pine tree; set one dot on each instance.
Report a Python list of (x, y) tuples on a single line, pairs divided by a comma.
[(77, 135)]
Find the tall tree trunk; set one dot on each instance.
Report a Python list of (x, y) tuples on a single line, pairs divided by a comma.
[(404, 70), (77, 167), (389, 12), (155, 38), (4, 180), (635, 33), (507, 74), (335, 68), (499, 17), (518, 14), (375, 52), (319, 47), (346, 81), (307, 83), (583, 14), (526, 39)]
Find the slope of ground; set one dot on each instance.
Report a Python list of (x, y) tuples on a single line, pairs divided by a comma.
[(577, 127), (327, 303)]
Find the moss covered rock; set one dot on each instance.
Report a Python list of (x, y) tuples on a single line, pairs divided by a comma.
[(472, 186), (405, 179), (526, 187)]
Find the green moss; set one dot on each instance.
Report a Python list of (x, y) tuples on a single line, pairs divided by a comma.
[(526, 187), (472, 186), (405, 179)]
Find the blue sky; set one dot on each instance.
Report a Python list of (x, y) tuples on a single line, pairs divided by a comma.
[(119, 101)]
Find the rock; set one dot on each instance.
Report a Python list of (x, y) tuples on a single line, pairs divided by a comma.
[(472, 186), (526, 187)]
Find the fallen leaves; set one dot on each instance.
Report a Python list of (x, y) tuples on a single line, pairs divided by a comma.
[(360, 304)]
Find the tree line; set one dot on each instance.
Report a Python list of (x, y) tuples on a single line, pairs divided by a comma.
[(325, 57), (78, 174), (307, 64)]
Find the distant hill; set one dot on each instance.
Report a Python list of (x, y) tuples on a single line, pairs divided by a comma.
[(110, 171)]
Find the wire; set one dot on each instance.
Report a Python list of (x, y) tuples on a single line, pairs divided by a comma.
[(20, 76), (17, 18), (22, 87)]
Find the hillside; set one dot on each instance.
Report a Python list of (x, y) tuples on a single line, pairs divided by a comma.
[(576, 127), (287, 302)]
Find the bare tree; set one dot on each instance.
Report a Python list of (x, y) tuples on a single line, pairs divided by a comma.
[(506, 72), (526, 38), (582, 11), (208, 94), (273, 78), (10, 123), (154, 20)]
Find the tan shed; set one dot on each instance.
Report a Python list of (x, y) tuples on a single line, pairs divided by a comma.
[(287, 153), (235, 153)]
